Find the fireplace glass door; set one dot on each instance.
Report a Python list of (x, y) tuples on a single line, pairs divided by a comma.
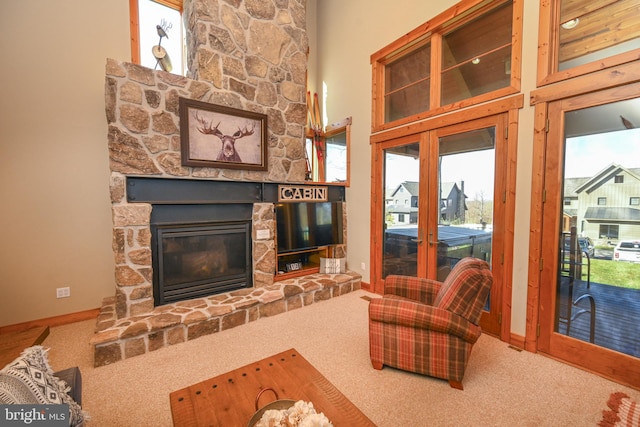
[(202, 260)]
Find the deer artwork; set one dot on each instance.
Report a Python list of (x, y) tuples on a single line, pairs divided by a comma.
[(228, 151)]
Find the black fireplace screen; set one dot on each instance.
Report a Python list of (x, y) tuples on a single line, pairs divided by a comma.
[(200, 260)]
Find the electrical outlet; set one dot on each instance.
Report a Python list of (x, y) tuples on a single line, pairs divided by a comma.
[(63, 292), (363, 266)]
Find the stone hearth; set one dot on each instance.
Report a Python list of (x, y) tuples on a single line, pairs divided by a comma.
[(185, 320)]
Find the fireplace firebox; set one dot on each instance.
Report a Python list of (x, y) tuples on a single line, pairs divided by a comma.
[(200, 250)]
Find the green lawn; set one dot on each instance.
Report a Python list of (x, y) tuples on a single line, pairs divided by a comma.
[(623, 274)]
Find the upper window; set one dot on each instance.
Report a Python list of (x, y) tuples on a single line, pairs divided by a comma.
[(619, 179), (582, 36), (407, 84), (461, 57), (157, 35), (476, 57)]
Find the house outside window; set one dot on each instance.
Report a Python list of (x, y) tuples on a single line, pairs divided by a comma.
[(608, 231), (602, 201)]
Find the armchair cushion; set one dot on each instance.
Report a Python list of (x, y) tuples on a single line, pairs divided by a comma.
[(466, 288), (415, 288), (404, 312)]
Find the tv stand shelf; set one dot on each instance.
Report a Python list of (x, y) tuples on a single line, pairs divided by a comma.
[(299, 263)]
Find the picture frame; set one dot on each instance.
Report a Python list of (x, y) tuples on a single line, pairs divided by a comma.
[(215, 136)]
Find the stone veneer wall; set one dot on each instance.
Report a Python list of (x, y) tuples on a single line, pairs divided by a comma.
[(245, 54)]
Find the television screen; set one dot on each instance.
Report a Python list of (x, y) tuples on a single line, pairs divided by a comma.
[(308, 225)]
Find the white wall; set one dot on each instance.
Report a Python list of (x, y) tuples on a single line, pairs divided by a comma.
[(54, 175), (348, 32)]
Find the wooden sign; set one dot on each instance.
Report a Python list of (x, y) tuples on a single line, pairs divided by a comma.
[(302, 193)]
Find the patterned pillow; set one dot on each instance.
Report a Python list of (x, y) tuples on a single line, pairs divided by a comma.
[(30, 380)]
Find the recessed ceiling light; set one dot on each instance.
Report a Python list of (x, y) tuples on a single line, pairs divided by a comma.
[(570, 24), (475, 61)]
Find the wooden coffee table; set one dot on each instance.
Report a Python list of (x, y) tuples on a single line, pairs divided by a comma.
[(230, 399)]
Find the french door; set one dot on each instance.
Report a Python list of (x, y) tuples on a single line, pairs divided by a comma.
[(590, 239), (444, 199)]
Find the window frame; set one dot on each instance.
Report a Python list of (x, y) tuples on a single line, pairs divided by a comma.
[(134, 23), (548, 45), (432, 32)]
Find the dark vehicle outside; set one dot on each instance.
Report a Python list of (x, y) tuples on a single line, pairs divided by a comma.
[(586, 245)]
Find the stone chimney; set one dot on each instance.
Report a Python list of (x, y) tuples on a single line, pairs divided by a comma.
[(249, 55)]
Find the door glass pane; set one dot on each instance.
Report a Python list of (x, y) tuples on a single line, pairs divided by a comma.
[(593, 30), (466, 174), (598, 278), (407, 84), (401, 182), (476, 58)]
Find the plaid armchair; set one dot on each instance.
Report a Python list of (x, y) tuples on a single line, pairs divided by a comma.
[(429, 327)]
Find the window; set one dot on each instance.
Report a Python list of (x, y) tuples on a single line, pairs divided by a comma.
[(400, 217), (608, 231), (634, 201), (476, 57), (584, 36), (407, 82), (602, 201), (169, 50), (468, 59), (567, 202), (619, 179)]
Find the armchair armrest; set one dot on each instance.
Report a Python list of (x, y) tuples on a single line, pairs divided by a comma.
[(420, 316), (414, 288)]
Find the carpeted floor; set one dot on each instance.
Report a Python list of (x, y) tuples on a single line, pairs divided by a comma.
[(503, 387)]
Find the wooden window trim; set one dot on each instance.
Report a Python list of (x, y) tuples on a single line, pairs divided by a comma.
[(134, 24), (548, 41), (620, 75), (514, 102), (431, 31)]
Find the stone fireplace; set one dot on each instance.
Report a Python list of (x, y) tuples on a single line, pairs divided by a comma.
[(249, 55)]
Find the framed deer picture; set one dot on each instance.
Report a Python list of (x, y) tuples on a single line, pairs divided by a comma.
[(214, 136)]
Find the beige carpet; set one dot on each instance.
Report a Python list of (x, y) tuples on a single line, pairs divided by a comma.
[(503, 387)]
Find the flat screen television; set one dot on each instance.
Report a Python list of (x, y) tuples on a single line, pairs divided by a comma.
[(308, 225)]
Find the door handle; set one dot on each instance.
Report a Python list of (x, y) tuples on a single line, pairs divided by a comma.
[(419, 239), (431, 242)]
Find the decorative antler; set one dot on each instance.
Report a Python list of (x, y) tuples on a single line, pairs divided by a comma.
[(244, 132), (206, 127)]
